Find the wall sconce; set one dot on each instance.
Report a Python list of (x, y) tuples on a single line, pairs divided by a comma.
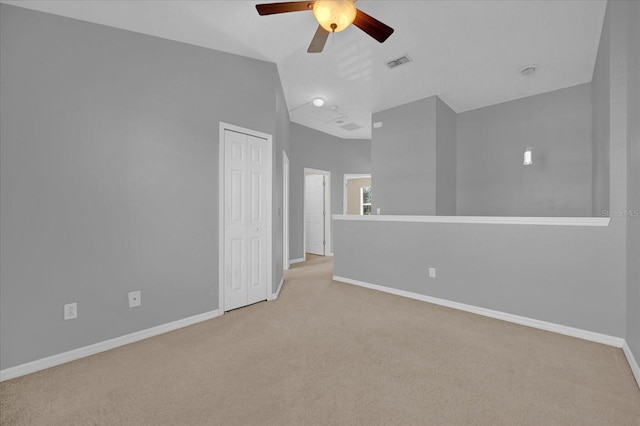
[(318, 102), (526, 72), (528, 156)]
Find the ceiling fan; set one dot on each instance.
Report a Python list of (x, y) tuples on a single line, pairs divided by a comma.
[(333, 16)]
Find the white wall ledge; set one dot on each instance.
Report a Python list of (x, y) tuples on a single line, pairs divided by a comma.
[(493, 220)]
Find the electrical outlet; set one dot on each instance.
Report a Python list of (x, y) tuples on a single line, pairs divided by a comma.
[(70, 311), (135, 299), (432, 272)]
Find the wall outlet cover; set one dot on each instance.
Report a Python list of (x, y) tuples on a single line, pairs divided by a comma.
[(432, 272), (70, 311), (135, 299)]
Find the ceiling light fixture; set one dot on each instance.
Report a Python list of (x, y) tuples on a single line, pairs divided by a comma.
[(334, 15), (318, 102), (526, 73)]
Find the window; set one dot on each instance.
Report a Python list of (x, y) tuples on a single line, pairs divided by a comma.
[(365, 200)]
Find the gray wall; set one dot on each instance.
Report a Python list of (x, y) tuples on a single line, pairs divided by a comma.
[(445, 159), (109, 177), (576, 276), (600, 126), (492, 180), (564, 275), (281, 143), (403, 159), (633, 178), (313, 149)]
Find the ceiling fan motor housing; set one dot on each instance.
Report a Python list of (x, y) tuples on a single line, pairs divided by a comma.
[(334, 15)]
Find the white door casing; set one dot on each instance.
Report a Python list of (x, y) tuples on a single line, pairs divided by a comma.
[(285, 211), (245, 230)]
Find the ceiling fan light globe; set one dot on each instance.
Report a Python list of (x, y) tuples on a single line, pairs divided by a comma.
[(334, 15)]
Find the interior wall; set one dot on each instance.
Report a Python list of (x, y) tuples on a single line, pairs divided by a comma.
[(281, 143), (567, 275), (403, 159), (109, 177), (316, 150), (353, 194), (633, 179), (600, 125), (491, 179), (446, 122)]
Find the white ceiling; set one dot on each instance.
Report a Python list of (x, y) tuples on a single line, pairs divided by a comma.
[(467, 52)]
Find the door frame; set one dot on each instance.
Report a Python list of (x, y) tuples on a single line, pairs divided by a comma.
[(221, 208), (286, 264), (347, 178), (327, 209)]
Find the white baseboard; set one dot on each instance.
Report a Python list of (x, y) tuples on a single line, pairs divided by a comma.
[(635, 368), (52, 361), (618, 342), (275, 295), (292, 261)]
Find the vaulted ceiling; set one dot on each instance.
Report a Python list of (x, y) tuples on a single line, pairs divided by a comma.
[(469, 53)]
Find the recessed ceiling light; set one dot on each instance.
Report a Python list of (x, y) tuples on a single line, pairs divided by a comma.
[(318, 102)]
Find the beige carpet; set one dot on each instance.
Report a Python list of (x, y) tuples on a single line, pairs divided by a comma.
[(331, 353)]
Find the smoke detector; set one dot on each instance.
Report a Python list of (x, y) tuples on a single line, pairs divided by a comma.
[(529, 69)]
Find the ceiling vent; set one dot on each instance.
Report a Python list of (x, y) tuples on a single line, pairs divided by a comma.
[(350, 126), (399, 61), (322, 114)]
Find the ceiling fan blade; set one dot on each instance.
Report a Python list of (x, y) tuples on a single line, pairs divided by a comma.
[(318, 41), (289, 6), (372, 26)]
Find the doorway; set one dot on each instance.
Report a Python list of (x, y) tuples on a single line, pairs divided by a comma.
[(317, 212), (356, 191), (245, 217)]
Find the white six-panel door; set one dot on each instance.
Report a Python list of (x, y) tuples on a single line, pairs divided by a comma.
[(314, 214), (247, 200)]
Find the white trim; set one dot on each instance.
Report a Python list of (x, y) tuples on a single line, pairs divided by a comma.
[(269, 197), (635, 368), (275, 295), (362, 199), (62, 358), (618, 342), (285, 211), (347, 177), (299, 260), (506, 220)]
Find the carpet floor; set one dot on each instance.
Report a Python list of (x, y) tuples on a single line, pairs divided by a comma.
[(331, 353)]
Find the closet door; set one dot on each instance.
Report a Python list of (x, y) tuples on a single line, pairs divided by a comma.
[(314, 214), (246, 200)]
